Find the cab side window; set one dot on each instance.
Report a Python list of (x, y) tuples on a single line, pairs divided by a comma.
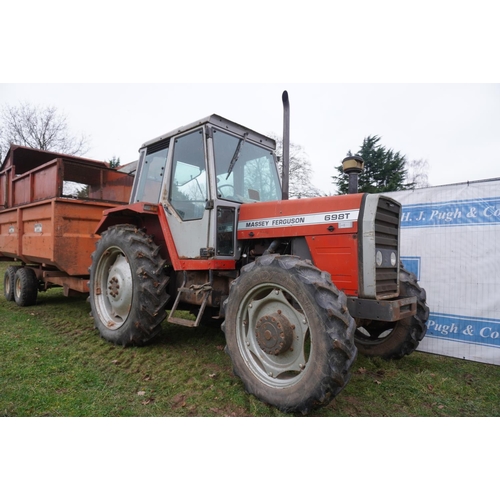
[(150, 174)]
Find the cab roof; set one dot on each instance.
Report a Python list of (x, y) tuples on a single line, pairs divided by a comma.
[(221, 123)]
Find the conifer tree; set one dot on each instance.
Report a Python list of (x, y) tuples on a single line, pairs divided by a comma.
[(385, 170)]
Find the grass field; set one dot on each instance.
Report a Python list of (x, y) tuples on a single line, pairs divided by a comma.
[(53, 363)]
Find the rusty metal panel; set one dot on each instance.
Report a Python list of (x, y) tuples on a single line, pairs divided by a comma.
[(74, 237), (9, 233), (116, 186), (3, 190), (37, 233), (45, 183), (21, 193)]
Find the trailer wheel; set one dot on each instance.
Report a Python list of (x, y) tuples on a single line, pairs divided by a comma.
[(25, 287), (399, 339), (128, 286), (289, 333), (9, 282)]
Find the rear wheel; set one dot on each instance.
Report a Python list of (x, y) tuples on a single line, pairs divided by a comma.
[(25, 287), (128, 286), (9, 282), (289, 333), (398, 339)]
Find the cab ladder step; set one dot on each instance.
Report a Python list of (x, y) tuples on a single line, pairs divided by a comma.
[(206, 290)]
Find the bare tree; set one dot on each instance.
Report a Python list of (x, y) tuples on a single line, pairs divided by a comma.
[(300, 171), (40, 128), (417, 173)]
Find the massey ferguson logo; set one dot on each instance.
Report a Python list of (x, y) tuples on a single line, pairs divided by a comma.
[(300, 220), (291, 221)]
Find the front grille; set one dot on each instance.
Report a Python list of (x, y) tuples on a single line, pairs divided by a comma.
[(386, 241)]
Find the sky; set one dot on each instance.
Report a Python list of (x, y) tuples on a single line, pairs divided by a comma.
[(454, 127), (423, 79)]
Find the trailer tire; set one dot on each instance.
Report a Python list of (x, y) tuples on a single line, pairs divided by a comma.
[(25, 287), (289, 333), (9, 282), (399, 339), (128, 286)]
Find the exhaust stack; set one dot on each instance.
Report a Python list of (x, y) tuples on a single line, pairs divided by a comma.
[(286, 146), (353, 166)]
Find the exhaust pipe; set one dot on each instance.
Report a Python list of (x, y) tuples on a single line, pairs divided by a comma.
[(353, 166), (286, 147)]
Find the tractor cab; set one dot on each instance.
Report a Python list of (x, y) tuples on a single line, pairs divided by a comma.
[(201, 174)]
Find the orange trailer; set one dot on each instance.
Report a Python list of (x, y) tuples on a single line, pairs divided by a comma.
[(50, 205)]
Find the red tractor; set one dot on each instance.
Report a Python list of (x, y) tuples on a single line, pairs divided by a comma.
[(301, 285)]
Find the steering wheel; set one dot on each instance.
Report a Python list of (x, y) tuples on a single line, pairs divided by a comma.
[(219, 189)]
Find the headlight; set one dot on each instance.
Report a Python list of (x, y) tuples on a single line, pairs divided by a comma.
[(378, 258), (393, 259)]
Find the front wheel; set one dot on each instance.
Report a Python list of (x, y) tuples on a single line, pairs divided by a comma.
[(398, 339), (128, 286), (289, 333)]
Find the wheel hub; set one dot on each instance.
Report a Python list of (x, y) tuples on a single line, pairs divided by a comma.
[(114, 287), (119, 287), (274, 333)]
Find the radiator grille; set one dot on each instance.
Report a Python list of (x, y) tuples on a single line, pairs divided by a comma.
[(386, 241)]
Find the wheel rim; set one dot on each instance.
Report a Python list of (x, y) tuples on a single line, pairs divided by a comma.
[(113, 297), (17, 287), (6, 284), (273, 335)]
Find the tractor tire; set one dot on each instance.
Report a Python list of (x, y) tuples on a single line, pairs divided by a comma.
[(289, 333), (25, 287), (401, 338), (9, 282), (128, 286)]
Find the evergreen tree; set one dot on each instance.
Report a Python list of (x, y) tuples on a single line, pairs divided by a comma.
[(114, 162), (385, 170)]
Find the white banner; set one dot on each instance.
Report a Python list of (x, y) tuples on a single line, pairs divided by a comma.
[(450, 238)]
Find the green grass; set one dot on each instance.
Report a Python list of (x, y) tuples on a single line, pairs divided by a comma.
[(53, 363)]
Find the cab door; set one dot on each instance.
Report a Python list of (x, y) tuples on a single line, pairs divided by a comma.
[(186, 196)]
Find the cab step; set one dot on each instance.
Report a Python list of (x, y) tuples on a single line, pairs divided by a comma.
[(206, 289)]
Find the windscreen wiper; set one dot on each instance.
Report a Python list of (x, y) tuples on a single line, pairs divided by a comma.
[(236, 155)]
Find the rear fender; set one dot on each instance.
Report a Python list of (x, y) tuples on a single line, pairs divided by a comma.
[(141, 215), (131, 214)]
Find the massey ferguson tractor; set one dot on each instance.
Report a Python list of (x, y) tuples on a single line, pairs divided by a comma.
[(301, 285)]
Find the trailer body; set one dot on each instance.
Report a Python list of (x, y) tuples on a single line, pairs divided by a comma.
[(50, 205)]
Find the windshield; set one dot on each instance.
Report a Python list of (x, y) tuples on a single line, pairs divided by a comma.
[(245, 172)]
